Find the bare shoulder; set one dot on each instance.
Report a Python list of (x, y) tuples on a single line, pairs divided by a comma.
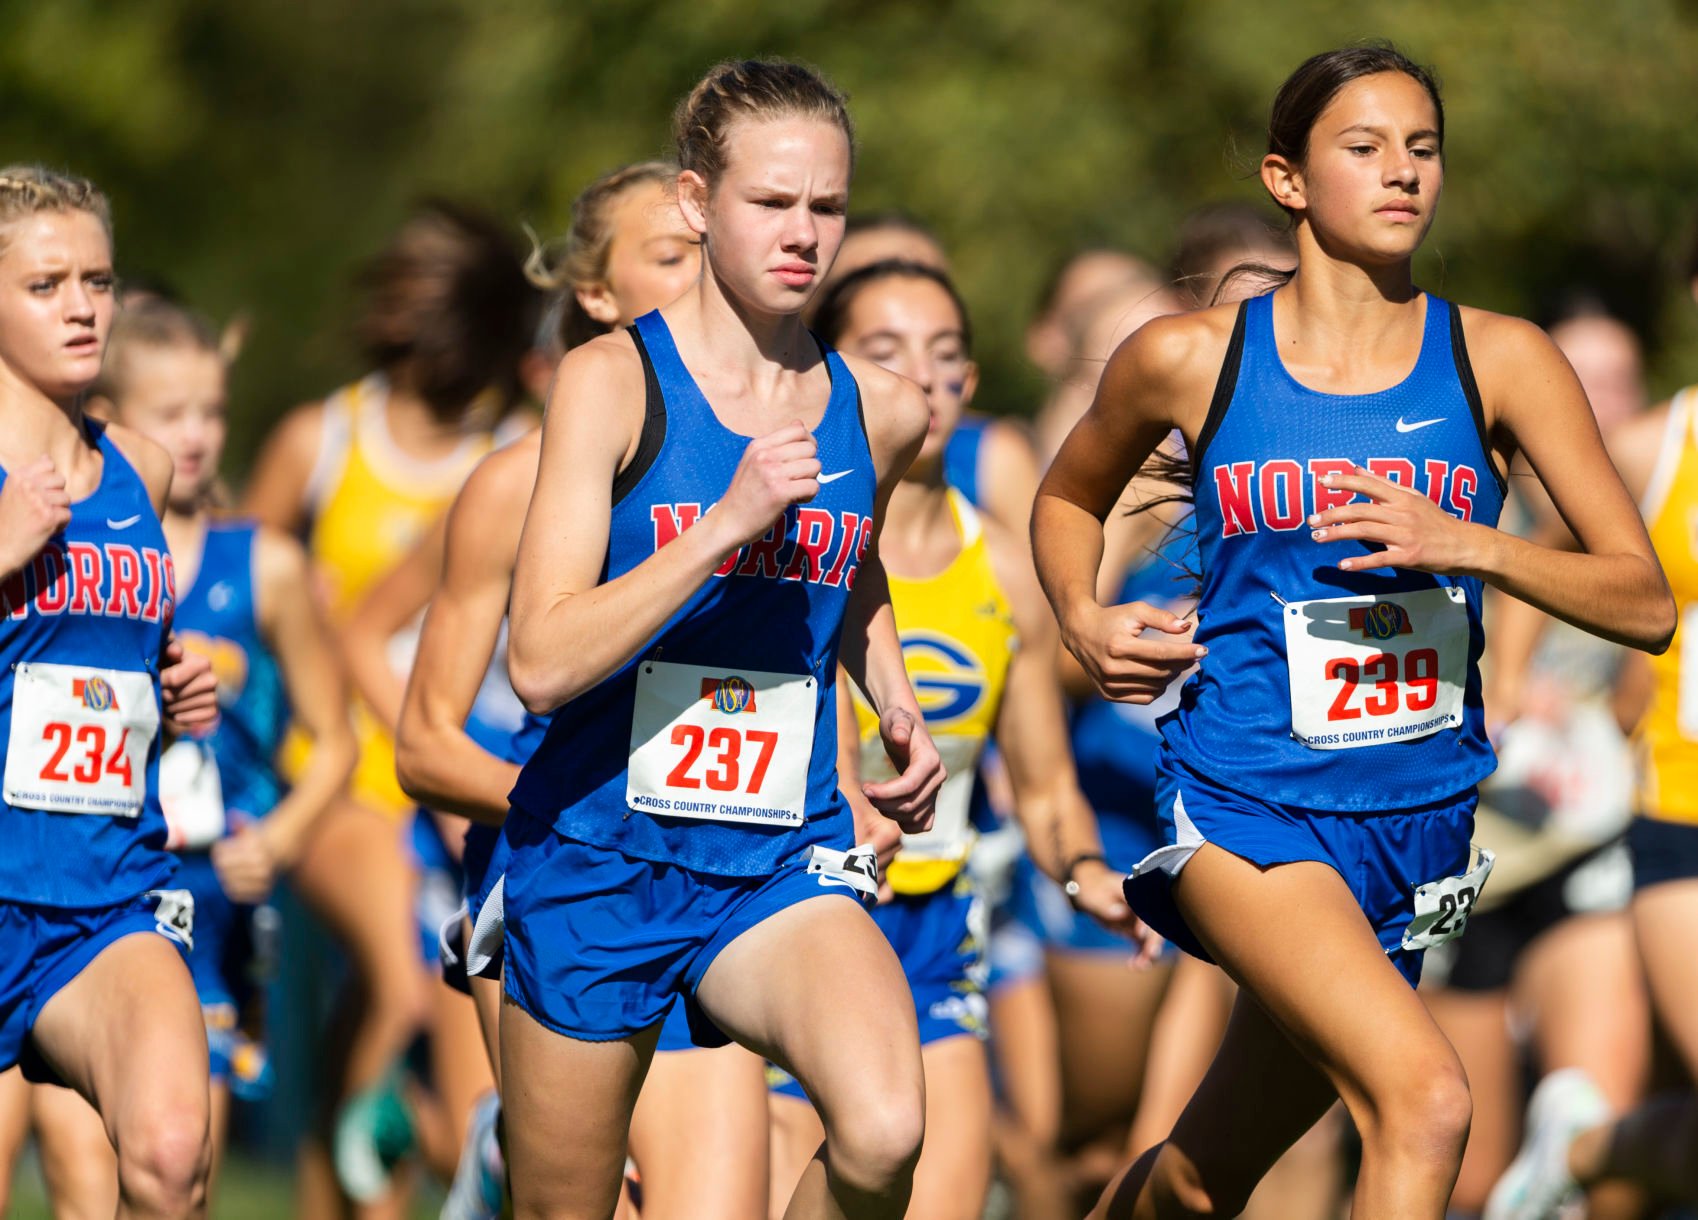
[(1636, 444), (298, 435), (280, 561), (610, 358), (1011, 563), (1503, 349), (1174, 358), (895, 408), (150, 459), (502, 482)]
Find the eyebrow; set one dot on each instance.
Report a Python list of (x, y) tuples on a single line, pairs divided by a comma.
[(887, 333), (1426, 133)]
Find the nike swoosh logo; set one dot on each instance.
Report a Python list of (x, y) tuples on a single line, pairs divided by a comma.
[(1420, 423), (124, 524), (832, 478)]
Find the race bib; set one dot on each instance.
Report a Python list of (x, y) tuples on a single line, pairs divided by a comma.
[(721, 745), (1442, 907), (1368, 670), (79, 739), (191, 794)]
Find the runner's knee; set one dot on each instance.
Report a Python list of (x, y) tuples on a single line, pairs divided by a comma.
[(879, 1143), (164, 1154)]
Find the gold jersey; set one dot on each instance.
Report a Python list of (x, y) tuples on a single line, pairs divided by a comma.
[(1668, 735)]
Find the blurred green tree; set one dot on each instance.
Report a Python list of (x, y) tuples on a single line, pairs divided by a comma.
[(257, 152)]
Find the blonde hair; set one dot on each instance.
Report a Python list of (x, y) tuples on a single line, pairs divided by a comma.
[(153, 324), (581, 257), (28, 189), (755, 89)]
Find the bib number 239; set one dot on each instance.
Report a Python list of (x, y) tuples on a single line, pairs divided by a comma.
[(1369, 670), (79, 739), (721, 745)]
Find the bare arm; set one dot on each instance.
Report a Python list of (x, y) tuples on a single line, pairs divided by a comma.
[(437, 762), (1613, 586), (1157, 380), (870, 650), (313, 680), (1008, 477), (276, 494), (388, 607), (568, 631), (1031, 730)]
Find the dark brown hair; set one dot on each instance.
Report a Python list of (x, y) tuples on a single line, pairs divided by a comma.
[(751, 89), (448, 304), (1311, 88), (833, 316)]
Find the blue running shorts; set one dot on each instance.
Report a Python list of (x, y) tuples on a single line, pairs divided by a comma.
[(1383, 857), (600, 945)]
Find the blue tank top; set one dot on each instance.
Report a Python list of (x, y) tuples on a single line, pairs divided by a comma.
[(1115, 744), (218, 617), (1328, 689), (961, 457), (98, 596), (776, 606)]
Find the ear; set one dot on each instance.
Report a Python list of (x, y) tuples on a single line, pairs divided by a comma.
[(598, 301), (1284, 182), (969, 383), (693, 200)]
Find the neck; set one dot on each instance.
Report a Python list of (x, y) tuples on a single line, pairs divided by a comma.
[(36, 424), (410, 417), (916, 517), (731, 333), (1348, 296)]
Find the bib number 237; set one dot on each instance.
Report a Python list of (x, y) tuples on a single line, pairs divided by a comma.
[(721, 745)]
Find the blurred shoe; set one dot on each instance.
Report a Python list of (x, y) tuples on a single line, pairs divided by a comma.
[(1537, 1185), (479, 1187), (374, 1133)]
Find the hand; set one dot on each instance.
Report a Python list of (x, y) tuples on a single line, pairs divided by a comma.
[(878, 832), (1413, 531), (1102, 896), (1124, 651), (246, 865), (34, 506), (776, 471), (910, 796), (189, 691)]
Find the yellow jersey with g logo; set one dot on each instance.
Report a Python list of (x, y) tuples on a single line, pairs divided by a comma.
[(1668, 736), (958, 637)]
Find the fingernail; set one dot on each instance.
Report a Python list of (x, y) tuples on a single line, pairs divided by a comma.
[(1317, 535), (1201, 651), (1345, 564), (1315, 519), (1327, 479)]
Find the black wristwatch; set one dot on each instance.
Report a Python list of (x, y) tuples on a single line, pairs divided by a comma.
[(1069, 885)]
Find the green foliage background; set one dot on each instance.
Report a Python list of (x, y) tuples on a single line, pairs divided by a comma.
[(256, 151)]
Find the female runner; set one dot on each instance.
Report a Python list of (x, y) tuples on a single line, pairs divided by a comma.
[(683, 808), (981, 650), (362, 475), (1347, 475), (698, 1135), (95, 994), (243, 604)]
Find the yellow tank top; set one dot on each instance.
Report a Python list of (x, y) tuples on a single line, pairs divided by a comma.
[(958, 637), (1669, 733), (370, 503)]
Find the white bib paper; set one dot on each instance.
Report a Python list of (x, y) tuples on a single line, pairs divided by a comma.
[(191, 793), (1442, 907), (79, 739), (1369, 670), (721, 745)]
